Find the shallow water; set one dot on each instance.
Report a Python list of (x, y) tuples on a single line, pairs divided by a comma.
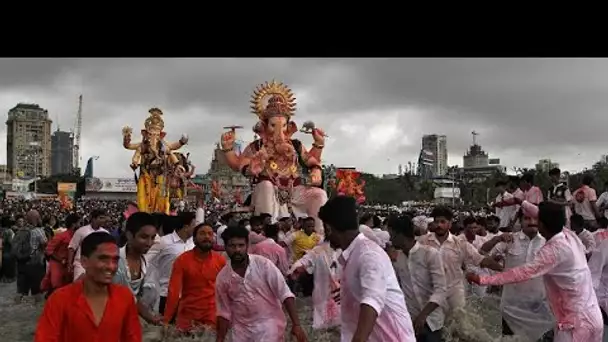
[(479, 322)]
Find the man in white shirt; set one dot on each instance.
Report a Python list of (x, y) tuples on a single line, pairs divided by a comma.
[(200, 215), (163, 255), (372, 303), (455, 252), (420, 271), (524, 307), (287, 230), (577, 225), (98, 219), (506, 214), (322, 263), (514, 189), (474, 227), (560, 193), (382, 236), (223, 225)]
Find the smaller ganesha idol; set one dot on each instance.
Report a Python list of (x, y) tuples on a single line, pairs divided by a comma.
[(157, 162), (287, 176), (350, 184)]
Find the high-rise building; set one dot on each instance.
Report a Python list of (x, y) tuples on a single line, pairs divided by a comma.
[(62, 153), (28, 141), (545, 165), (426, 163), (438, 146)]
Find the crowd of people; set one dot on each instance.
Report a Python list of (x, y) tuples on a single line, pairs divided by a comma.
[(398, 276)]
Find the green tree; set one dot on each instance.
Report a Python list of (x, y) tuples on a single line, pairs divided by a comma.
[(600, 171), (386, 191)]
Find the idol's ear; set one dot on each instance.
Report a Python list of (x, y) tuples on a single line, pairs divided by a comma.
[(263, 128), (259, 128), (144, 133), (292, 127), (162, 135)]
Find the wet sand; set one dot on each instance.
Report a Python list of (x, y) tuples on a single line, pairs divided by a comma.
[(480, 320)]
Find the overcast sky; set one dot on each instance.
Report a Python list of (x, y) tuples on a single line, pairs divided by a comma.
[(374, 110)]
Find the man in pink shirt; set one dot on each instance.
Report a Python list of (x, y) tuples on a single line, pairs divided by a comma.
[(532, 193), (249, 292), (527, 191), (372, 303), (269, 248), (562, 263)]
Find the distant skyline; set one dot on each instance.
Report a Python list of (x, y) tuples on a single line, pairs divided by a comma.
[(375, 111)]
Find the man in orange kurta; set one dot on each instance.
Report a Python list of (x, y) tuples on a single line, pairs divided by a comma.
[(193, 275), (92, 308)]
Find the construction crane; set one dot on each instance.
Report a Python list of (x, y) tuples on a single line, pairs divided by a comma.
[(77, 131)]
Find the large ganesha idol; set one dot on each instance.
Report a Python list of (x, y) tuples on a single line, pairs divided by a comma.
[(156, 161), (287, 177)]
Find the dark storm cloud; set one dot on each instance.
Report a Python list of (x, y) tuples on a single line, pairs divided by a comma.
[(32, 72), (525, 109), (220, 83), (540, 97)]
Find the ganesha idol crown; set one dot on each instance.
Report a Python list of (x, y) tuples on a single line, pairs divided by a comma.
[(155, 121), (273, 99)]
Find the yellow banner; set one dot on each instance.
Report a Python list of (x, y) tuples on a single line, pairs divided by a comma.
[(66, 187)]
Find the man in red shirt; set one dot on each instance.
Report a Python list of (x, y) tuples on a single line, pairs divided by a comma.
[(57, 252), (92, 308), (192, 284)]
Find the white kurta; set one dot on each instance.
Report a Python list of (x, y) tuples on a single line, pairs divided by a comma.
[(598, 265), (422, 279), (322, 263), (160, 259), (455, 252), (524, 305), (478, 290)]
